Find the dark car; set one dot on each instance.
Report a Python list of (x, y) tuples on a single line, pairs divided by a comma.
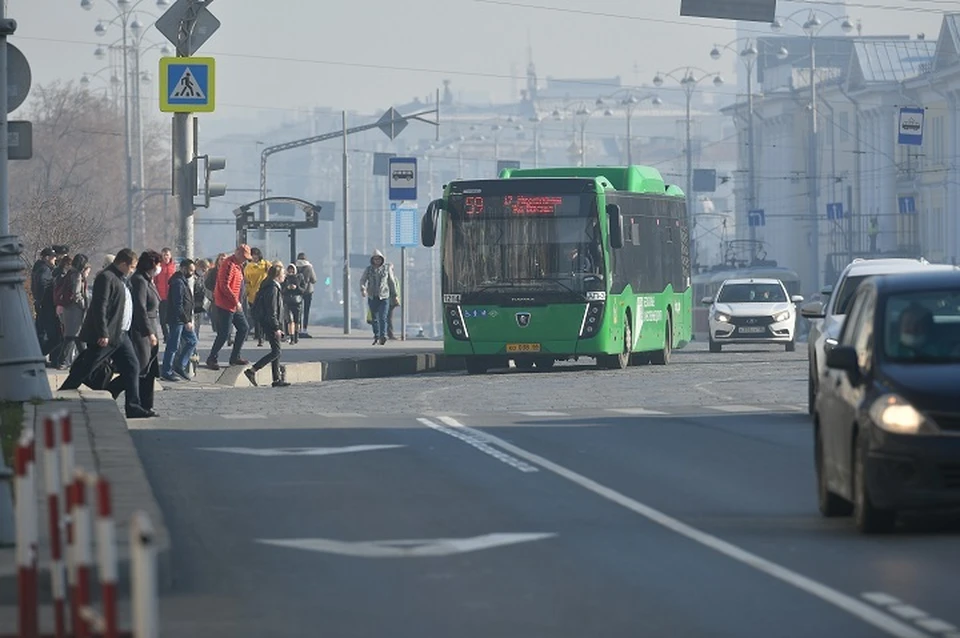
[(887, 417)]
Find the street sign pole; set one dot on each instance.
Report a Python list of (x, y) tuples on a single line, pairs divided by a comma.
[(346, 231), (403, 290), (22, 374)]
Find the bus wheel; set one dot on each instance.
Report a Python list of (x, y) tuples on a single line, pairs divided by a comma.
[(662, 357), (476, 365)]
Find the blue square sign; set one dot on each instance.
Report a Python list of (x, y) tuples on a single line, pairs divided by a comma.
[(402, 178), (910, 126), (187, 85)]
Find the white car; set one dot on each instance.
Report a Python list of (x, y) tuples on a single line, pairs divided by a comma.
[(752, 311), (831, 313)]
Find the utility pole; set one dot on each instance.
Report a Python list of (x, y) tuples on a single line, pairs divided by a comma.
[(812, 181), (22, 374), (346, 231)]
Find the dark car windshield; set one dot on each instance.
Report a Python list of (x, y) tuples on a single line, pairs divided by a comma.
[(752, 293), (923, 327)]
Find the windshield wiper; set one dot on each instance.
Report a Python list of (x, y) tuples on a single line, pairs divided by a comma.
[(554, 280)]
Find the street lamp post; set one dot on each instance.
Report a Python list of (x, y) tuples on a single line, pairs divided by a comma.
[(812, 27), (748, 56), (689, 84), (629, 104), (581, 114), (124, 9)]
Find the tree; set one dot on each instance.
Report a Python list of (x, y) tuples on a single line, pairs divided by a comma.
[(73, 191)]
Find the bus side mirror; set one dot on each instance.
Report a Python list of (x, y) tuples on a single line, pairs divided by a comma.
[(616, 225), (428, 225)]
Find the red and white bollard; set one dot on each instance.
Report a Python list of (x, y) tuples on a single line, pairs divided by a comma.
[(51, 466), (82, 556), (27, 536), (67, 471), (143, 578), (107, 558)]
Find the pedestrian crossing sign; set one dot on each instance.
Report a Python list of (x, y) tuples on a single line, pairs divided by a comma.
[(187, 85)]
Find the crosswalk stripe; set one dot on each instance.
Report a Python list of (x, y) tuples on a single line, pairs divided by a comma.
[(736, 408), (543, 413)]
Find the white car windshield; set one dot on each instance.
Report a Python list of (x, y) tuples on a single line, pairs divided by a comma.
[(751, 293)]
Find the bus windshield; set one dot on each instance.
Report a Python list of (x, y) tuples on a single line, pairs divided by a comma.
[(518, 234)]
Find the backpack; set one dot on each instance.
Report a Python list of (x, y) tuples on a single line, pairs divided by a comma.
[(63, 290)]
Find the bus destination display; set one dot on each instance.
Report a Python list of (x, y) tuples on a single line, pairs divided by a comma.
[(507, 205)]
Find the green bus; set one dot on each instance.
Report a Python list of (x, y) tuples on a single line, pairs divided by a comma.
[(554, 264)]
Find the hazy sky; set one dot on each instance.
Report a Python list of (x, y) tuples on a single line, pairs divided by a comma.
[(276, 56)]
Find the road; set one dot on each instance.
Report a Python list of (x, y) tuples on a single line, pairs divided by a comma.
[(656, 501)]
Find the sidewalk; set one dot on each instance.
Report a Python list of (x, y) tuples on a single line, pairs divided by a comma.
[(328, 355), (102, 445)]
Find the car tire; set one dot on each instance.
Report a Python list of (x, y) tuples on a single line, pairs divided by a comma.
[(475, 365), (869, 519), (811, 387), (830, 504), (715, 347), (790, 346), (662, 357)]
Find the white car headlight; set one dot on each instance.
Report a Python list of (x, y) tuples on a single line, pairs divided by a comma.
[(894, 414), (722, 318), (783, 316)]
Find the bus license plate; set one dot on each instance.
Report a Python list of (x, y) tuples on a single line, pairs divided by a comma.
[(523, 347), (752, 329)]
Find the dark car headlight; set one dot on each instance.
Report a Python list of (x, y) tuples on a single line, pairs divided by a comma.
[(892, 413)]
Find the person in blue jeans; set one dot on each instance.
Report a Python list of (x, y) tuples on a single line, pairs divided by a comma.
[(379, 286), (181, 333)]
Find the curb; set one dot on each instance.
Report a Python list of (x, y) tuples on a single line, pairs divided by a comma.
[(339, 369)]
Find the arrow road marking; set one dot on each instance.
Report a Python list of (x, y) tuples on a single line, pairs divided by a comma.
[(406, 548), (298, 451), (885, 622)]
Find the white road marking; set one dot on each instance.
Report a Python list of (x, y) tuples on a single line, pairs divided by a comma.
[(407, 548), (918, 616), (736, 408), (543, 413), (298, 451), (637, 411), (477, 440), (880, 598), (342, 415), (936, 625), (883, 621), (794, 408), (231, 417)]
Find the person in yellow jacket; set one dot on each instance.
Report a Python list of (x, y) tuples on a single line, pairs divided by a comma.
[(254, 274)]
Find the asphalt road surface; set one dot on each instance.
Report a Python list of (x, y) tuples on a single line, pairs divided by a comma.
[(656, 501)]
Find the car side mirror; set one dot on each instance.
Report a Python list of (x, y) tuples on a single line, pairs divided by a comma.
[(707, 301), (845, 358), (826, 291), (797, 299), (812, 310)]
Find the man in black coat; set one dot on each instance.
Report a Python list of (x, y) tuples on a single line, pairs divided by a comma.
[(181, 335), (105, 331)]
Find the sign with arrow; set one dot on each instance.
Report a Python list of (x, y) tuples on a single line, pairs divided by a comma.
[(298, 451), (409, 548)]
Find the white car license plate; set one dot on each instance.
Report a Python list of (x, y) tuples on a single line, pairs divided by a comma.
[(751, 329)]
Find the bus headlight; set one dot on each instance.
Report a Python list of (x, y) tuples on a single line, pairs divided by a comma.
[(592, 317), (455, 322)]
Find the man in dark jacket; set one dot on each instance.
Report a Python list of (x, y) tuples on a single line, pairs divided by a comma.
[(181, 337), (268, 309), (41, 287), (105, 331)]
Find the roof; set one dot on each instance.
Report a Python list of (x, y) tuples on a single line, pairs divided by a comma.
[(730, 282), (948, 43), (892, 60), (935, 278), (889, 266)]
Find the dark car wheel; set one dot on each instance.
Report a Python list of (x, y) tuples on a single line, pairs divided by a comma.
[(869, 519), (829, 503), (790, 346), (811, 387), (714, 346)]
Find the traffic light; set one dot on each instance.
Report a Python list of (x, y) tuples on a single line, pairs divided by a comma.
[(206, 189)]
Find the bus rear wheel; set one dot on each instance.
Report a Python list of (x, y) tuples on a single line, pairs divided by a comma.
[(662, 357)]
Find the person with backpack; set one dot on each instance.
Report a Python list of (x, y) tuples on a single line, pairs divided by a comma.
[(267, 309), (293, 290), (70, 294)]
